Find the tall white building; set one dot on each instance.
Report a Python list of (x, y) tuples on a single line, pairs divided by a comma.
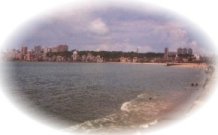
[(75, 55)]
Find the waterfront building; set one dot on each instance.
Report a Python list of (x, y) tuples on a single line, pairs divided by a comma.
[(18, 56), (53, 58), (44, 57), (123, 59), (90, 57), (59, 58), (135, 59), (45, 54), (75, 55), (185, 60), (38, 49), (29, 56), (38, 52), (197, 57), (83, 58), (24, 50), (62, 48), (99, 59), (128, 60), (47, 50), (54, 49)]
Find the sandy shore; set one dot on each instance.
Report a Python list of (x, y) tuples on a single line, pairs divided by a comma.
[(182, 65), (191, 65), (138, 63)]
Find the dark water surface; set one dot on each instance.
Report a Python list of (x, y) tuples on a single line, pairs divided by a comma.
[(79, 92)]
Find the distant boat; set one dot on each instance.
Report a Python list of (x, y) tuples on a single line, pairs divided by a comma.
[(171, 64)]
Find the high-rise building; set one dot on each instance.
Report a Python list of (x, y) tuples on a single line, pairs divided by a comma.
[(179, 51), (23, 53), (24, 50), (190, 51), (184, 51), (166, 51), (38, 49)]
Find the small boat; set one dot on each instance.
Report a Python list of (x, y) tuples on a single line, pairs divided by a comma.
[(171, 64)]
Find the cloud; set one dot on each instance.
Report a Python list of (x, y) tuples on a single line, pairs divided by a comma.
[(112, 29), (98, 26), (198, 50), (122, 46), (145, 48)]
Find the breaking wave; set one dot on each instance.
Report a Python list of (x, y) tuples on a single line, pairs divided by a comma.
[(144, 111)]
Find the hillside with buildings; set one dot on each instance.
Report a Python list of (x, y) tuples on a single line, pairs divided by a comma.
[(61, 53)]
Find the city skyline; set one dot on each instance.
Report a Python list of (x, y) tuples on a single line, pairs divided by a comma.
[(112, 29), (33, 48), (61, 53)]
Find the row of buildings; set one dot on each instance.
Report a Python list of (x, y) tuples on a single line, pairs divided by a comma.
[(86, 58), (181, 52), (60, 53), (36, 54), (181, 55)]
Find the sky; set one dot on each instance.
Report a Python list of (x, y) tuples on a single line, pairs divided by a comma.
[(112, 29)]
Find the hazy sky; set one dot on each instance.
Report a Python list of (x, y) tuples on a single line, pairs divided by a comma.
[(112, 29)]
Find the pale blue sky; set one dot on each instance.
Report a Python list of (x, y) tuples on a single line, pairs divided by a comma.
[(112, 29)]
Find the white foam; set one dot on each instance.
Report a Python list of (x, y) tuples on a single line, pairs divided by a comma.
[(141, 96), (153, 122), (145, 126), (125, 107), (149, 124)]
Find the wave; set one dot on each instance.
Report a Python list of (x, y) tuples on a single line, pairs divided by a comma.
[(144, 111)]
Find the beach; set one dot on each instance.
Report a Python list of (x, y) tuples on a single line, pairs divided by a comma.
[(190, 65), (179, 65)]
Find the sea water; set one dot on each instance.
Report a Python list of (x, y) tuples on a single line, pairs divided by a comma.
[(94, 95)]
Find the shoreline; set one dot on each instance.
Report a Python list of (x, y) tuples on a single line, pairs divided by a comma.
[(147, 63), (180, 65), (160, 111), (190, 65)]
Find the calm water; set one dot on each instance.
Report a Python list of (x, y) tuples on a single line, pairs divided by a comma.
[(79, 92)]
